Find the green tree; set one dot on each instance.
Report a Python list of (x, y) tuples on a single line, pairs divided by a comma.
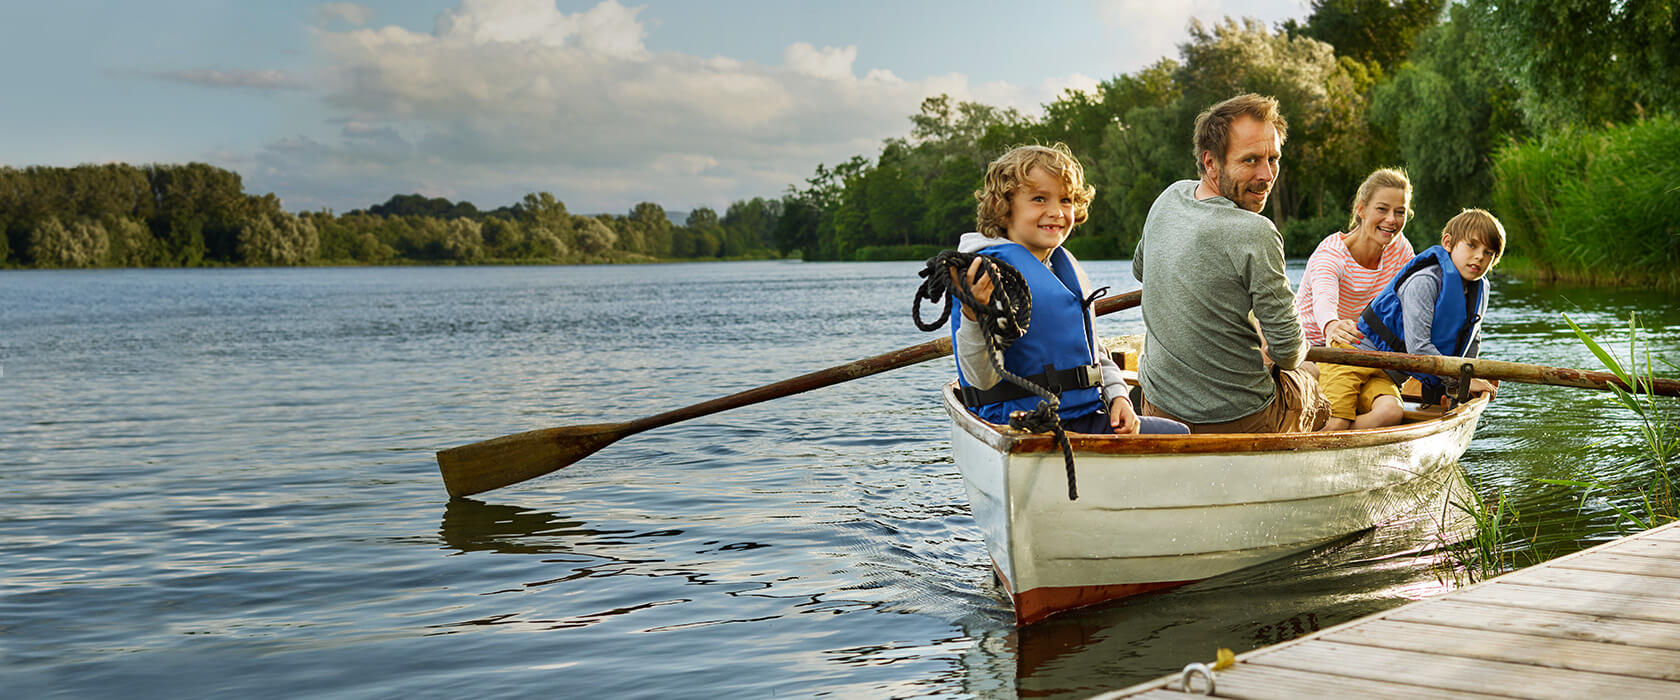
[(796, 230), (959, 129), (131, 243), (594, 236), (1142, 150), (81, 244), (1447, 112), (948, 205), (462, 240), (893, 202), (701, 236), (199, 209), (648, 230), (1586, 62), (545, 218), (1379, 32), (277, 239)]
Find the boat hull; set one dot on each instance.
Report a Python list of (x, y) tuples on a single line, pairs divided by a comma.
[(1156, 512)]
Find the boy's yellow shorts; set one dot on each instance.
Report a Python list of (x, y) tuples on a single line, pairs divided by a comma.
[(1353, 390)]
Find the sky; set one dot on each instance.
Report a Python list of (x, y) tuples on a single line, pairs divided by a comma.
[(685, 103)]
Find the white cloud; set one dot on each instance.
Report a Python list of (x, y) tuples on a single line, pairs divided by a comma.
[(505, 97), (684, 163), (347, 12), (1078, 82), (608, 29), (1144, 31), (257, 79), (828, 63)]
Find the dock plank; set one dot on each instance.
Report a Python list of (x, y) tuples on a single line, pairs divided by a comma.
[(1576, 601), (1548, 652), (1549, 623), (1647, 547), (1608, 582), (1670, 535), (1625, 564), (1159, 694), (1463, 674)]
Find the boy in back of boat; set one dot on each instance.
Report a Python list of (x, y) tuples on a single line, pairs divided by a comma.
[(1032, 198), (1434, 306)]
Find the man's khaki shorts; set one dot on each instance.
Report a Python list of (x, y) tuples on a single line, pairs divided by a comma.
[(1297, 407)]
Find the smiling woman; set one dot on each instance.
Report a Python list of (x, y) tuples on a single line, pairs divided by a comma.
[(1348, 269)]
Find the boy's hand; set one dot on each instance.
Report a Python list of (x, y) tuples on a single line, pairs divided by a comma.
[(1478, 386), (1342, 330), (978, 282), (1121, 416)]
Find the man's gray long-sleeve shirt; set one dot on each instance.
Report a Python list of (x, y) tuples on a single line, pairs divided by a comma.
[(1214, 270)]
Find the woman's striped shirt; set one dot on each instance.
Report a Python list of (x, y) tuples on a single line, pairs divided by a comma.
[(1336, 286)]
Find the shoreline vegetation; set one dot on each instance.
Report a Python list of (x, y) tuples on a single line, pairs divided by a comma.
[(1573, 143)]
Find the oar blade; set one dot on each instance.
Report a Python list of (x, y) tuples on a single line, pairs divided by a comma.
[(510, 459)]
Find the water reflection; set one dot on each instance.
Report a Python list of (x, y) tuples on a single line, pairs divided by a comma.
[(475, 526)]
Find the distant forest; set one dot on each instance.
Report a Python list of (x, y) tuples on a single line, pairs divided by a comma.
[(191, 215), (1557, 116)]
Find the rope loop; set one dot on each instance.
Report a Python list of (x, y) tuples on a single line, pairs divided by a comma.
[(1006, 315)]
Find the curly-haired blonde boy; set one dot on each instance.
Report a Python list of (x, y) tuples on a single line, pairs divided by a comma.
[(1032, 198)]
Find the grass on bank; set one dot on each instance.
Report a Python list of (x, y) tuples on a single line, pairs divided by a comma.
[(1594, 206)]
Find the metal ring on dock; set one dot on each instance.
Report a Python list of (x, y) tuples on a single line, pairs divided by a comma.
[(1190, 671)]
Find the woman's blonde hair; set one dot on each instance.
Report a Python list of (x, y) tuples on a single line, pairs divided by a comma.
[(1381, 179), (1476, 225), (1009, 171)]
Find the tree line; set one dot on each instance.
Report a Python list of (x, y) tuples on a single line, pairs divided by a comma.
[(119, 215), (1560, 115)]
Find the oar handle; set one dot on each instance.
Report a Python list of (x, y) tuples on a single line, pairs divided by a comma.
[(1488, 369), (903, 357)]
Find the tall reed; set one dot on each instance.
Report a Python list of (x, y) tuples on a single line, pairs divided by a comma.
[(1643, 488), (1594, 206), (1488, 550)]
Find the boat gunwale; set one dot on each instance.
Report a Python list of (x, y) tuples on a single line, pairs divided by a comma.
[(1009, 441)]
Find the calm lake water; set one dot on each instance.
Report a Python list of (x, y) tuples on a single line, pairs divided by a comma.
[(220, 483)]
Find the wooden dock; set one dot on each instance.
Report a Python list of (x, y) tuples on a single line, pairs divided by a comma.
[(1602, 623)]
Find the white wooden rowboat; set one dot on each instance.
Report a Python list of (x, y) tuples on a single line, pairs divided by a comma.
[(1155, 512)]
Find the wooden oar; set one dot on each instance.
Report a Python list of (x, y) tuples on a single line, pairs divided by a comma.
[(1488, 369), (510, 459)]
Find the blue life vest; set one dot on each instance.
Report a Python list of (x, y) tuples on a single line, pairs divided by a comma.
[(1058, 332), (1458, 311)]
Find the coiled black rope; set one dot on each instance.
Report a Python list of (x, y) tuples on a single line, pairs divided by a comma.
[(1003, 319)]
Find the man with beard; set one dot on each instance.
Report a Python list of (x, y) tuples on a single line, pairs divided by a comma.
[(1224, 344)]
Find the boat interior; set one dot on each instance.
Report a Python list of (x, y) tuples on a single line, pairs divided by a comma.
[(1126, 350)]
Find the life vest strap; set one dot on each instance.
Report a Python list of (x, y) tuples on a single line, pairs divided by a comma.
[(1055, 380)]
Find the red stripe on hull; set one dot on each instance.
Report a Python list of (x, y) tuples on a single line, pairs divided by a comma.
[(1039, 603)]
